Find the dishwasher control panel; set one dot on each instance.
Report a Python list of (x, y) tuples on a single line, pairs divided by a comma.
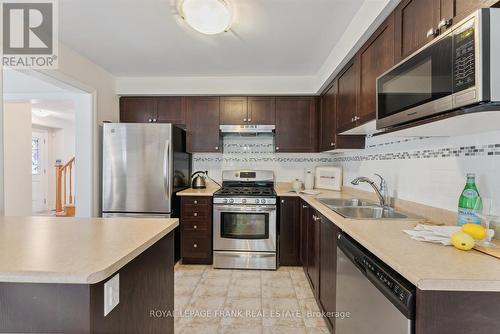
[(399, 291)]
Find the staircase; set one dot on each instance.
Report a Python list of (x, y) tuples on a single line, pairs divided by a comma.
[(65, 205)]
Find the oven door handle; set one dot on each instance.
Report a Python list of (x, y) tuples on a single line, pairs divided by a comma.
[(234, 208)]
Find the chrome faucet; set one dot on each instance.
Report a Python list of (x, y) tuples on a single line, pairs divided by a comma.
[(381, 191)]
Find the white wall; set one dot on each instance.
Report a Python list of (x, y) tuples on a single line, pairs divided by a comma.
[(80, 72), (416, 169), (17, 155)]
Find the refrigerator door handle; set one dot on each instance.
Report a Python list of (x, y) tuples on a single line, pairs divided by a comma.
[(166, 167)]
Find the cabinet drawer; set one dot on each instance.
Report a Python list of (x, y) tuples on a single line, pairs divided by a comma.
[(196, 247), (196, 226), (195, 200), (195, 211)]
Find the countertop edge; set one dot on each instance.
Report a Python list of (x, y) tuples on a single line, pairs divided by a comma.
[(36, 277)]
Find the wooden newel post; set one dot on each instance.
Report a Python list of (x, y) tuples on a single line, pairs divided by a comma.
[(59, 206)]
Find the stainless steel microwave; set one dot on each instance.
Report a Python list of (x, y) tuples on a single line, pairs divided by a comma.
[(460, 68)]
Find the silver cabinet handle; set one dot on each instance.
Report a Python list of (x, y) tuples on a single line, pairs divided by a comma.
[(195, 214), (305, 206), (277, 148), (195, 245), (332, 144), (249, 119), (154, 120), (216, 148), (282, 201), (244, 119), (432, 32), (445, 23), (195, 227), (195, 202), (150, 120)]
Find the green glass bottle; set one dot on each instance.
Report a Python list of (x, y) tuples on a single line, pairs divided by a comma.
[(469, 203)]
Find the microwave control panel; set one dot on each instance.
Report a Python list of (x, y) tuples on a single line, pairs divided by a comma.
[(464, 73)]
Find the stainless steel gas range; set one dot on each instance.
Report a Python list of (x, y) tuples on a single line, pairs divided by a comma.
[(245, 229)]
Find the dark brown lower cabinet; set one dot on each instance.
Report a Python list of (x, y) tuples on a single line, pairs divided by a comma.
[(289, 231), (196, 229), (146, 300), (305, 213), (313, 243), (457, 312), (328, 268)]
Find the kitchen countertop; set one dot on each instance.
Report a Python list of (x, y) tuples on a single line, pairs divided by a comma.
[(208, 191), (73, 250), (428, 266)]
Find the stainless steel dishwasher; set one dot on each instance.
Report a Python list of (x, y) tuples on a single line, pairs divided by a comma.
[(376, 299)]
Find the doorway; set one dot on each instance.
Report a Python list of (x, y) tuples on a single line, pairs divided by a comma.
[(39, 169), (48, 144)]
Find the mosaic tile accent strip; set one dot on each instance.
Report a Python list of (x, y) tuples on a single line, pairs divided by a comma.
[(457, 152), (280, 158)]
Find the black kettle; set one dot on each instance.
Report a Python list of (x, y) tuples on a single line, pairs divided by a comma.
[(198, 180)]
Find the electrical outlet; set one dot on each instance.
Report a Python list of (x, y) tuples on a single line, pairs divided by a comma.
[(111, 294)]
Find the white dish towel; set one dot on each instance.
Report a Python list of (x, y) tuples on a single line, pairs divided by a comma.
[(437, 234)]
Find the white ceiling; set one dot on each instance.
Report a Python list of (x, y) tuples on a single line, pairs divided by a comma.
[(20, 86), (141, 38)]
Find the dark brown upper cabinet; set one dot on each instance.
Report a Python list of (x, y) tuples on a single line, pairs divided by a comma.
[(375, 57), (415, 25), (327, 121), (347, 100), (262, 110), (202, 117), (247, 110), (417, 22), (452, 11), (233, 110), (137, 109), (296, 124), (165, 109), (329, 139), (171, 109)]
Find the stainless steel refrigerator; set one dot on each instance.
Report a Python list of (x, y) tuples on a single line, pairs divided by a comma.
[(144, 165)]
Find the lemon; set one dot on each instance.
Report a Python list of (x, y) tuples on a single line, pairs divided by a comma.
[(476, 231), (462, 240)]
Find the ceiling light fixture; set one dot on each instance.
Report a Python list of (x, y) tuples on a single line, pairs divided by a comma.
[(209, 17)]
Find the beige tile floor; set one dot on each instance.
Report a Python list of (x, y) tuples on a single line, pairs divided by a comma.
[(244, 301)]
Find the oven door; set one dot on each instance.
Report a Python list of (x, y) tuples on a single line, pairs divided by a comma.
[(420, 86), (245, 228)]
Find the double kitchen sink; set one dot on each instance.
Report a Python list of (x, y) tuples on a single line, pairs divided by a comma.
[(354, 208)]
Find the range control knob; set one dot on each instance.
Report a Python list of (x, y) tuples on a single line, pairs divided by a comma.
[(257, 201), (263, 201), (243, 200), (231, 200), (225, 200)]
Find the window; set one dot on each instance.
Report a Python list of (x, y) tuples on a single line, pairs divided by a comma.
[(35, 156)]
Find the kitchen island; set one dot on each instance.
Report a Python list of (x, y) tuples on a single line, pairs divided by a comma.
[(53, 273)]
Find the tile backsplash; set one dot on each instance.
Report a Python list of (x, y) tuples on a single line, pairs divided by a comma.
[(427, 170), (258, 153)]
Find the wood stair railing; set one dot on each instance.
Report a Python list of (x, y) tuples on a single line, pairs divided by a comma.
[(64, 176)]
